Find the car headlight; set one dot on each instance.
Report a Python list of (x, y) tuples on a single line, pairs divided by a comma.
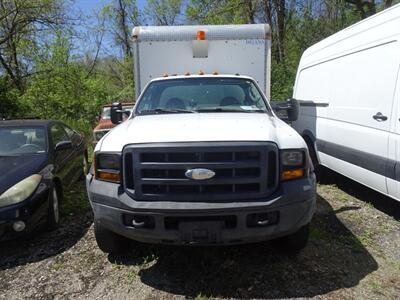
[(293, 163), (107, 166), (20, 191)]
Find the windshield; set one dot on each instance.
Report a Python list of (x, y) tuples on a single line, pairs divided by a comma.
[(22, 140), (201, 95)]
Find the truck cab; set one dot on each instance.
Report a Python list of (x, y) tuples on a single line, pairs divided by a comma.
[(203, 159)]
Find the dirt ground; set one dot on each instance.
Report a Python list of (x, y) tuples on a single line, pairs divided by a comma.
[(353, 253)]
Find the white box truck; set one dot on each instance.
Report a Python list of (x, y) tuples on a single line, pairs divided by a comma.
[(202, 159), (349, 92)]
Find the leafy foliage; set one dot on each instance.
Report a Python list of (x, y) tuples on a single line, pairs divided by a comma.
[(44, 74)]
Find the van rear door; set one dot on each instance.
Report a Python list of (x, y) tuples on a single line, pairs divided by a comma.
[(393, 163)]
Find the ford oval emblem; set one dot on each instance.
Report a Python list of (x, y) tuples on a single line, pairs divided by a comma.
[(199, 174)]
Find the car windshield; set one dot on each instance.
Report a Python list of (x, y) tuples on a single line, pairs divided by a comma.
[(192, 95), (22, 140)]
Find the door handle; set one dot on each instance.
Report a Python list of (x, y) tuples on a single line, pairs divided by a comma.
[(379, 117)]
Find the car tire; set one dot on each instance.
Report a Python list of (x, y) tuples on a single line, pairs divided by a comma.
[(53, 211), (110, 242), (295, 242)]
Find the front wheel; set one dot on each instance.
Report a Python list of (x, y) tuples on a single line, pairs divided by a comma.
[(53, 211), (110, 242), (296, 241)]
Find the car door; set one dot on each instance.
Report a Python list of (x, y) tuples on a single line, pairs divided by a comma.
[(62, 158)]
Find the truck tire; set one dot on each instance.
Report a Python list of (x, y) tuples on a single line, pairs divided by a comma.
[(321, 172), (110, 242), (295, 242)]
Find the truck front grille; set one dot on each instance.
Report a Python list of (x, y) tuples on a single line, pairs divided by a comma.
[(156, 172)]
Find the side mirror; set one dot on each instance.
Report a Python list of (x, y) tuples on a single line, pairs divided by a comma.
[(287, 110), (116, 113), (64, 145)]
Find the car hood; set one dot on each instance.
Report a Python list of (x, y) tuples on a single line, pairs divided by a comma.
[(201, 127), (16, 168)]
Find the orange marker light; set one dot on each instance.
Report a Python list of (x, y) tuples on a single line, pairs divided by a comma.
[(215, 73), (107, 176), (165, 75), (292, 174), (187, 74), (201, 35), (201, 72)]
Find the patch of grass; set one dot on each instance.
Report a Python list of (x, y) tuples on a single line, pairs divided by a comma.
[(57, 266), (132, 275), (149, 259), (75, 200), (200, 296), (352, 241), (318, 234)]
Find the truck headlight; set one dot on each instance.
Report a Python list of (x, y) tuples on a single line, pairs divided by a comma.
[(107, 166), (293, 163), (20, 191)]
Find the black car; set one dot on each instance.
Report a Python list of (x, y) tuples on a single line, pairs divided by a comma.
[(39, 160)]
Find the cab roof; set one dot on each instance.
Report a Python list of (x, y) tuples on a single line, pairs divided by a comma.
[(171, 77)]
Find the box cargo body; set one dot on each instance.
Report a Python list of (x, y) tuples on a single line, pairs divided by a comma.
[(349, 91), (227, 49)]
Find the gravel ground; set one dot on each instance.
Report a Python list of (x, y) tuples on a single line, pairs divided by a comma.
[(353, 253)]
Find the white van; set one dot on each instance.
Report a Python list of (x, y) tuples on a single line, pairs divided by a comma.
[(348, 89)]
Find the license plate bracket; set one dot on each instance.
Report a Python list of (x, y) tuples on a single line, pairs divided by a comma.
[(202, 232)]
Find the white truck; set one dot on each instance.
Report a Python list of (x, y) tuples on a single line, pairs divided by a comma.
[(348, 89), (203, 159)]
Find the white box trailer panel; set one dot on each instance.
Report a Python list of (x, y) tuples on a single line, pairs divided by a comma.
[(226, 49)]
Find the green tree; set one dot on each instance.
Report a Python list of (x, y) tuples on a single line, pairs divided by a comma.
[(163, 12)]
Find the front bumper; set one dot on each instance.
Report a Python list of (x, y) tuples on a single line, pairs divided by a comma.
[(290, 208), (31, 211)]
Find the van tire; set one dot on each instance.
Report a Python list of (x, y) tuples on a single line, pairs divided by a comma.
[(110, 242), (321, 172), (295, 242)]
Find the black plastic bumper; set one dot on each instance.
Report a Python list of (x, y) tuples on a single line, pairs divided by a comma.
[(290, 208)]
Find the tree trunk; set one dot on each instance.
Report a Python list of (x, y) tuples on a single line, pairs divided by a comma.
[(280, 28), (122, 22)]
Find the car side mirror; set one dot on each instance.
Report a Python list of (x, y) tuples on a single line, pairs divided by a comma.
[(63, 145), (116, 113), (288, 110)]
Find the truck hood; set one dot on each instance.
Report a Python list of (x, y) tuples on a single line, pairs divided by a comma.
[(201, 127)]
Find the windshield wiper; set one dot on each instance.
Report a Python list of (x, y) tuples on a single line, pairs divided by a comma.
[(222, 109), (167, 111)]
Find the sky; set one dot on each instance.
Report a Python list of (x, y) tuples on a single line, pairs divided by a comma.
[(90, 5), (88, 8)]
